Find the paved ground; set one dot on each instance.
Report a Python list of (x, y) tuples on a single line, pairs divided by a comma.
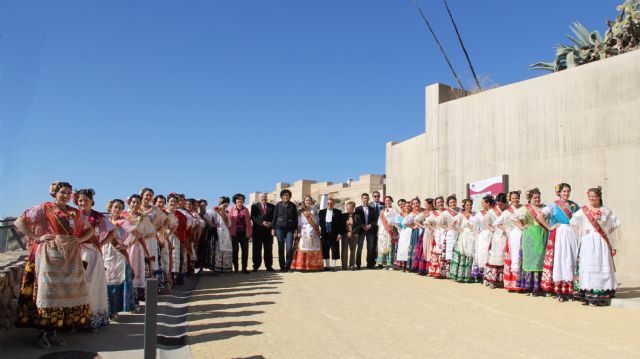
[(382, 314)]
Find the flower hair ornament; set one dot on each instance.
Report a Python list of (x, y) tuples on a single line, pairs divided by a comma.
[(52, 188)]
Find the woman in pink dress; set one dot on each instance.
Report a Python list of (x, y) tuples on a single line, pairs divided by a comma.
[(54, 293)]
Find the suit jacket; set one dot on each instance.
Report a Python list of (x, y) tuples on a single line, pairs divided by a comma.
[(257, 218), (337, 223), (377, 214), (356, 227), (371, 218)]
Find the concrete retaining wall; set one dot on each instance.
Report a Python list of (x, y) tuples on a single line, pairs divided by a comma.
[(11, 271), (580, 126)]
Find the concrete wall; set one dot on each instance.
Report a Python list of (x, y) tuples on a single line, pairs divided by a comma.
[(579, 126), (11, 272)]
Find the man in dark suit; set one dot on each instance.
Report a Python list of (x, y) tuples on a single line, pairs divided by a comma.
[(261, 216), (377, 206), (331, 228), (367, 218)]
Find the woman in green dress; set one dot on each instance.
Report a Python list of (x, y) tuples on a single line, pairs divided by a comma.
[(534, 240)]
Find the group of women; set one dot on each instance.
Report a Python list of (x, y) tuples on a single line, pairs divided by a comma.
[(560, 249), (85, 267)]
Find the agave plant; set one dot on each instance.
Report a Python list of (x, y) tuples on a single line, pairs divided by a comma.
[(624, 33), (623, 36)]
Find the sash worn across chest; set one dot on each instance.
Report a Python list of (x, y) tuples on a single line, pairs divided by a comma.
[(591, 218), (307, 215), (61, 225), (387, 227), (532, 212), (563, 207), (452, 212)]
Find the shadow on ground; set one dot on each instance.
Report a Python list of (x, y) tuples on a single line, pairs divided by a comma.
[(125, 335), (628, 293), (218, 302)]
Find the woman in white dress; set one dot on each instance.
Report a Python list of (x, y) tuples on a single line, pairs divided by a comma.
[(166, 248), (116, 262), (223, 262), (595, 225), (93, 260), (482, 223), (308, 254), (403, 223), (427, 235), (137, 239), (513, 250), (158, 219), (562, 245), (495, 260), (444, 224), (387, 236), (463, 253), (173, 226)]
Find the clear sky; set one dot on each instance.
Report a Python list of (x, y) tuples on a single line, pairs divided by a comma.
[(217, 97)]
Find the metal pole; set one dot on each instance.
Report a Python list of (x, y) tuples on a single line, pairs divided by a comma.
[(150, 319)]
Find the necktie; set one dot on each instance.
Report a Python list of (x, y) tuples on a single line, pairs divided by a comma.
[(264, 210)]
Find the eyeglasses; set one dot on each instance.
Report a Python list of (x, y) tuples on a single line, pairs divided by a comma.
[(376, 195)]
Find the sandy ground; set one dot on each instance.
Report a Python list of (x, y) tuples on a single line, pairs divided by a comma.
[(382, 314), (363, 314)]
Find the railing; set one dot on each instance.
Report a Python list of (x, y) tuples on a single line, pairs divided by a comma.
[(10, 239)]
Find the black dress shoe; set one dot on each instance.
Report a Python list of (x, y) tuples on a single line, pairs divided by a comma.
[(255, 270), (244, 271), (271, 270)]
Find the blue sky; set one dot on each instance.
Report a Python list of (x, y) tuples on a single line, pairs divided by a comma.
[(216, 97)]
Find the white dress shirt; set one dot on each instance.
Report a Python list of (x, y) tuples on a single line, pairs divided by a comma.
[(329, 217)]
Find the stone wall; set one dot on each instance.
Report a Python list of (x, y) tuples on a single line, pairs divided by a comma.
[(579, 126), (11, 270)]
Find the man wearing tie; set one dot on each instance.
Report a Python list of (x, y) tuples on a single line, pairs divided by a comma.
[(331, 228), (377, 206), (261, 216), (367, 216)]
